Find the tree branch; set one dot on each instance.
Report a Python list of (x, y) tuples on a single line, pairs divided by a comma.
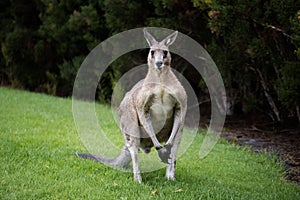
[(268, 96)]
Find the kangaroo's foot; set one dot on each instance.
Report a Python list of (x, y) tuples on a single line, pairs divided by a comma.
[(170, 172), (137, 177)]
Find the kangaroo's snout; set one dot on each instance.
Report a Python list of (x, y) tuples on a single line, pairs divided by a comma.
[(159, 64)]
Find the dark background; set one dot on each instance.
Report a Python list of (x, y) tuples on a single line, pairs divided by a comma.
[(255, 44)]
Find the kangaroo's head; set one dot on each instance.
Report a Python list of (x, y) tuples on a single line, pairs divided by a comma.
[(159, 56)]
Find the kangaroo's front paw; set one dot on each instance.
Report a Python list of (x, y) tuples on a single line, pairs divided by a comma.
[(164, 153)]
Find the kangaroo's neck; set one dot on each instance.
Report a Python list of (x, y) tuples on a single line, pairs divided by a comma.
[(158, 76)]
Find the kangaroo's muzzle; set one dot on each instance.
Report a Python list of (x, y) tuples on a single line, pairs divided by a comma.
[(159, 64)]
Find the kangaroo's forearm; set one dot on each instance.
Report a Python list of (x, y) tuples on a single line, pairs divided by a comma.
[(178, 115)]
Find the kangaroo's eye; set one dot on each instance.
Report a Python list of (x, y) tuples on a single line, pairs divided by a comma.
[(165, 53), (152, 53)]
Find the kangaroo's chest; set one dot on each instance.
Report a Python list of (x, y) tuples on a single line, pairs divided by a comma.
[(162, 100), (162, 108)]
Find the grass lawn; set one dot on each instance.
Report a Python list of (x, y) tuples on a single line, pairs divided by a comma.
[(38, 139)]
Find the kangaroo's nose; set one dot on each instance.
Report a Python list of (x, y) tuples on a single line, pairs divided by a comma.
[(159, 64)]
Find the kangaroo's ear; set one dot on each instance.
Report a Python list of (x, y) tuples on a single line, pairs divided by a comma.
[(150, 39), (170, 39)]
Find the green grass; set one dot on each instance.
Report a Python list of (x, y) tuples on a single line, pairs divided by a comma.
[(38, 139)]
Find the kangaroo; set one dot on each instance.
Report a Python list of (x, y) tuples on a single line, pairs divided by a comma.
[(152, 113)]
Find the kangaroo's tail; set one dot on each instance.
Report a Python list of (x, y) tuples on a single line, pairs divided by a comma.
[(122, 160)]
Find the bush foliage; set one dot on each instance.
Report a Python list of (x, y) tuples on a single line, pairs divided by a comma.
[(255, 44)]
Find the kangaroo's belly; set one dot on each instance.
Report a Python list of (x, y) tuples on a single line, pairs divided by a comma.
[(162, 118), (160, 115), (161, 111)]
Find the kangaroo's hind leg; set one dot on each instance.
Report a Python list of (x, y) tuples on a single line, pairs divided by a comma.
[(171, 168), (133, 144), (133, 138)]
